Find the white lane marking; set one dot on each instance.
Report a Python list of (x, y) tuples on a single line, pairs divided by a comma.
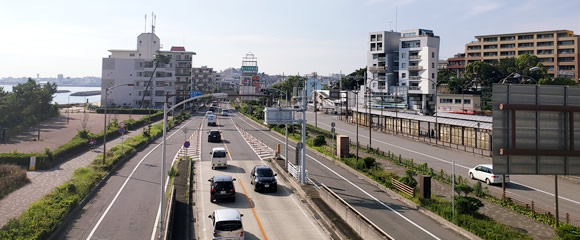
[(125, 183), (449, 162), (201, 180), (357, 187)]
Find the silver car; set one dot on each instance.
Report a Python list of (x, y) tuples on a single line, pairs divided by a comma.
[(227, 224)]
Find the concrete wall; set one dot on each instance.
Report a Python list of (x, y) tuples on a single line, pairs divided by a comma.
[(364, 227)]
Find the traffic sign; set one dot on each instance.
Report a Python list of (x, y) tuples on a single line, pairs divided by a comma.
[(332, 130), (122, 130), (122, 124), (332, 124), (186, 144)]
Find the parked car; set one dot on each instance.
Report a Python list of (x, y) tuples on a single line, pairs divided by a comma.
[(219, 158), (484, 172), (214, 136), (227, 224), (262, 177), (222, 187)]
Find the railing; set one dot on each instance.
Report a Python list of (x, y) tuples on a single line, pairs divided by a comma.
[(379, 69), (403, 188), (415, 77), (415, 57), (414, 87), (415, 67)]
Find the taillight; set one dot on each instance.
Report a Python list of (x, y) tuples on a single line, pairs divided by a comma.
[(215, 234), (212, 189), (493, 176), (242, 234), (233, 189)]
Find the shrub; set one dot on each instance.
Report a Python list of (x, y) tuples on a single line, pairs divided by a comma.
[(319, 141), (467, 205), (478, 190), (567, 232), (369, 162), (408, 179), (463, 188), (12, 177)]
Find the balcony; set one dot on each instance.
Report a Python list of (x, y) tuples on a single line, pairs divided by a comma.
[(415, 67), (379, 69), (415, 57), (381, 59), (414, 88), (415, 78)]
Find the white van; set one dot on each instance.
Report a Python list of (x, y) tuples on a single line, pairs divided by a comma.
[(219, 158), (211, 120), (227, 224)]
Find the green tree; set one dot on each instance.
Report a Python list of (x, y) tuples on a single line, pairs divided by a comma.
[(409, 179), (557, 81), (445, 75), (354, 79)]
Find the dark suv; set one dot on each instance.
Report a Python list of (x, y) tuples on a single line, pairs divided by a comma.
[(214, 136), (263, 178), (222, 187)]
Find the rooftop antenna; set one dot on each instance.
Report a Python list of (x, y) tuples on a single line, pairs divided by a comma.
[(152, 22), (396, 17)]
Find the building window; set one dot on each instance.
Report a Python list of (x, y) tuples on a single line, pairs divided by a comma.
[(494, 46), (545, 44), (403, 55), (549, 35), (566, 59), (403, 65), (525, 37), (567, 42), (511, 45), (490, 39), (403, 75), (531, 52), (566, 51), (432, 75), (550, 51), (525, 45), (131, 54), (489, 54), (467, 101), (445, 100), (159, 93), (457, 101), (508, 38), (432, 54), (432, 65), (473, 47)]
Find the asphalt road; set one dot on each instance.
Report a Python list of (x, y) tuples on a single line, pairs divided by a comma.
[(540, 189), (127, 206), (389, 214), (277, 215)]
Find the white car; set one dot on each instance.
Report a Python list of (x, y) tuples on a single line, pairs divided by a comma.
[(208, 113), (484, 172)]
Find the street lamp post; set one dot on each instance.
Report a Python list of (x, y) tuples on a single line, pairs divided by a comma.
[(105, 122), (68, 112), (357, 118)]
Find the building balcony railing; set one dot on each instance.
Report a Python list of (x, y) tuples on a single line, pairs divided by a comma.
[(379, 69), (415, 67), (381, 59), (414, 77), (415, 57), (414, 88)]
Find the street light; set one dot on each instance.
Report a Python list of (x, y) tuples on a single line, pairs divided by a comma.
[(286, 125), (357, 118), (517, 75), (105, 123)]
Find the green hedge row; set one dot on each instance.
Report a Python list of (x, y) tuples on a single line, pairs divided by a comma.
[(46, 214), (78, 144)]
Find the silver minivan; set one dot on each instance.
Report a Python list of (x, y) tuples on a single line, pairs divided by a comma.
[(227, 224)]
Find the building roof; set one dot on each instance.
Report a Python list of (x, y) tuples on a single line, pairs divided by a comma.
[(177, 48), (508, 34)]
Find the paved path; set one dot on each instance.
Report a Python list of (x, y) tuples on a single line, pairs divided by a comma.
[(43, 182)]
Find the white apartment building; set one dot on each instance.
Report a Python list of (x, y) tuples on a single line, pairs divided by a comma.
[(402, 69), (136, 67)]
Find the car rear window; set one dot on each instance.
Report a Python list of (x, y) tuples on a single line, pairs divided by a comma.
[(228, 225), (223, 185), (264, 172), (219, 154)]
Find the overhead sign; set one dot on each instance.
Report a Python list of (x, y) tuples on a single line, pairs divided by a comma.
[(249, 68), (535, 129), (194, 94), (279, 116)]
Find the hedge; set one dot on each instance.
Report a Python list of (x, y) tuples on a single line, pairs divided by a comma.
[(12, 177), (46, 214)]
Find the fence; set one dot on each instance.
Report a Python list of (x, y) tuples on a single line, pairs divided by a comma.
[(403, 188)]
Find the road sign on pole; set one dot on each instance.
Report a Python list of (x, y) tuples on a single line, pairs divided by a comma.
[(122, 124), (186, 144), (332, 124), (122, 130)]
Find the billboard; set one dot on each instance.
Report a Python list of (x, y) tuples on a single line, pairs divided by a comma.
[(536, 129), (194, 94)]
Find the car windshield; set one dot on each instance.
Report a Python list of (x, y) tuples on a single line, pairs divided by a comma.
[(219, 154), (228, 225), (264, 172)]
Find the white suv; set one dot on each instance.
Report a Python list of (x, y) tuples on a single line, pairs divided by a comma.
[(227, 224)]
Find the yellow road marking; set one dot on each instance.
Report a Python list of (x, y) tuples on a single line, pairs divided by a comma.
[(253, 211)]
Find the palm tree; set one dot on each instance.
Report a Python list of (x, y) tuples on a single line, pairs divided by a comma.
[(159, 59)]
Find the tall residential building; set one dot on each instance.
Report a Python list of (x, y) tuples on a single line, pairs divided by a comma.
[(556, 49), (402, 68), (203, 79), (456, 64), (136, 67)]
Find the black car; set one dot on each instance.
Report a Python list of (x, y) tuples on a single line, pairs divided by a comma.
[(222, 187), (214, 136), (263, 178)]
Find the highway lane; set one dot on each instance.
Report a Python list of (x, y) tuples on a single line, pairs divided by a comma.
[(266, 215), (537, 188), (389, 214), (127, 205)]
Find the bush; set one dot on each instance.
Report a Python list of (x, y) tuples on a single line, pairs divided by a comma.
[(463, 188), (319, 141), (408, 179), (567, 232), (369, 162), (478, 190), (467, 205), (12, 177)]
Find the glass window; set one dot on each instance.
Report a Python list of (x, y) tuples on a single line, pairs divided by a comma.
[(403, 55), (467, 101), (403, 75), (457, 101), (432, 75), (432, 54)]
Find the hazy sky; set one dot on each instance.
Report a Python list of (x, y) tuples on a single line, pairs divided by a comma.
[(293, 36)]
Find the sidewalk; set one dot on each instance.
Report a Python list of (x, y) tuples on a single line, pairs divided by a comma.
[(43, 182)]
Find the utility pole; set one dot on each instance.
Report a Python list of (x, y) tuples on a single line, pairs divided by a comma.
[(303, 162)]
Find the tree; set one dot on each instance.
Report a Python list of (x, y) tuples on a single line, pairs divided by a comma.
[(557, 81), (159, 59), (445, 75), (408, 179), (354, 79)]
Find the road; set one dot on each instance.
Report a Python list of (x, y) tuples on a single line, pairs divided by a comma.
[(389, 214), (277, 215), (537, 188), (126, 207)]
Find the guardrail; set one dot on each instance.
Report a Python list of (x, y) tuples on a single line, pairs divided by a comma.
[(403, 188), (362, 225)]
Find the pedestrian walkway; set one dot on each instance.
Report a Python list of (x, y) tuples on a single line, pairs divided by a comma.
[(43, 182)]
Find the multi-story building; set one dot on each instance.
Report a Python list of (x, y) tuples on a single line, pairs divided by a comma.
[(203, 79), (383, 61), (556, 49), (456, 64), (249, 79), (136, 67)]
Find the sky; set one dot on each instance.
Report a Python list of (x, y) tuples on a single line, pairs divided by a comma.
[(288, 37)]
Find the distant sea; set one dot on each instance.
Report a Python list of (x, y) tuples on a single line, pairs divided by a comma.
[(63, 98)]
